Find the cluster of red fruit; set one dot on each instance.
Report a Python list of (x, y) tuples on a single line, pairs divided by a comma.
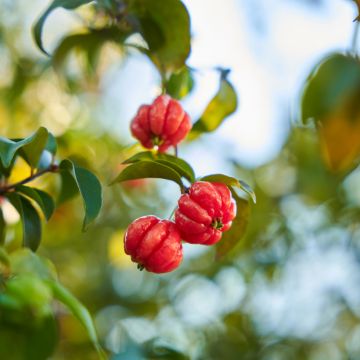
[(204, 211)]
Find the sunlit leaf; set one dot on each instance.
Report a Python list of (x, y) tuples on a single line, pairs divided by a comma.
[(223, 104), (79, 311), (231, 181), (340, 140), (232, 237), (165, 26), (180, 83), (31, 146), (30, 219), (176, 163), (89, 188), (43, 199), (149, 169), (66, 4), (329, 85)]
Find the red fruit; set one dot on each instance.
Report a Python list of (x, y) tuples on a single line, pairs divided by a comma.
[(205, 212), (154, 244), (163, 124)]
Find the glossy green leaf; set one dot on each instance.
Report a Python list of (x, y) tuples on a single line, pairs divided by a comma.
[(79, 311), (30, 220), (180, 83), (234, 235), (38, 27), (176, 163), (149, 169), (30, 145), (331, 83), (165, 26), (43, 199), (90, 43), (223, 104), (69, 188), (89, 188), (231, 181), (2, 228)]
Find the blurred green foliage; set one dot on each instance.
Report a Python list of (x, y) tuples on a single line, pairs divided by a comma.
[(208, 309)]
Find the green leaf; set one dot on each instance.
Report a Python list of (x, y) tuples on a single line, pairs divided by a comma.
[(89, 188), (43, 199), (69, 188), (231, 181), (231, 238), (2, 228), (30, 145), (165, 26), (176, 163), (223, 104), (180, 83), (23, 261), (148, 169), (30, 220), (79, 311), (38, 27), (32, 151), (330, 83), (51, 144), (90, 43), (4, 260)]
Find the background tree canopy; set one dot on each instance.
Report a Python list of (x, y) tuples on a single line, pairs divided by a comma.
[(273, 92)]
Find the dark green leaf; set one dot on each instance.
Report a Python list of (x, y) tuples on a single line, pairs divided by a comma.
[(2, 228), (231, 181), (149, 169), (334, 80), (69, 188), (30, 145), (176, 163), (223, 104), (66, 4), (231, 238), (43, 199), (90, 43), (30, 220), (89, 187), (180, 83), (165, 26), (79, 311)]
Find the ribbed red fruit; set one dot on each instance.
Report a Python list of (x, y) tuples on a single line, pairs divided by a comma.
[(163, 124), (154, 244), (205, 212)]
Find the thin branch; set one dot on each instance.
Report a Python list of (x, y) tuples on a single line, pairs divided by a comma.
[(7, 188), (354, 42)]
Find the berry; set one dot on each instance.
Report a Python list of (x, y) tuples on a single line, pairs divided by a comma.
[(205, 212), (162, 124), (154, 244)]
